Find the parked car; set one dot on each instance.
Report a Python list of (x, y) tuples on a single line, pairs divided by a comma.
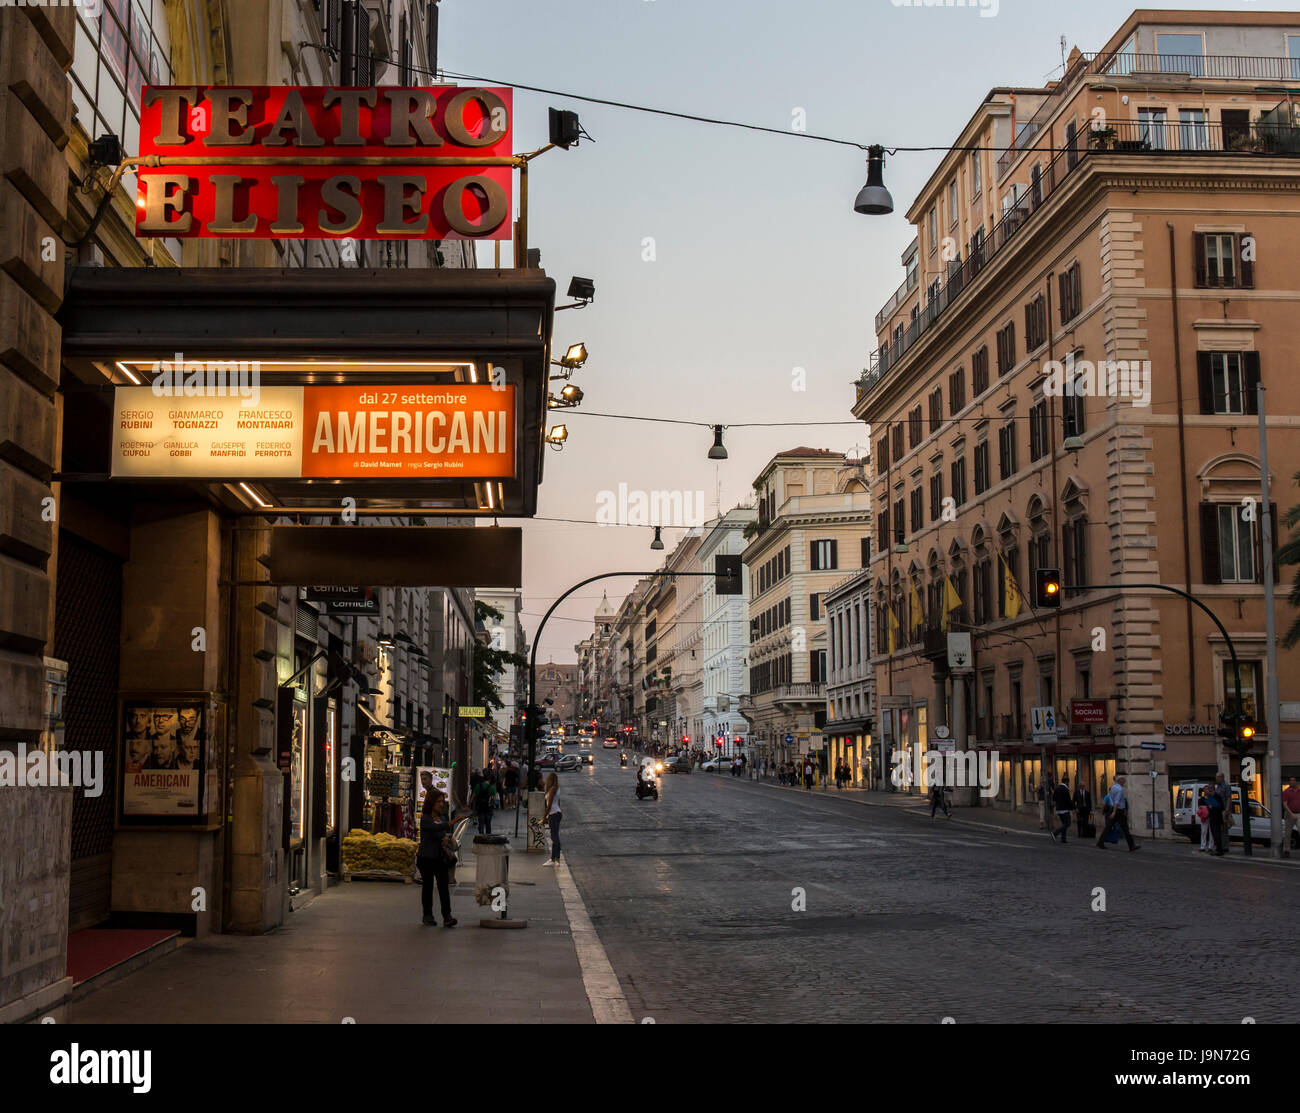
[(547, 761), (716, 764), (1186, 796), (567, 762)]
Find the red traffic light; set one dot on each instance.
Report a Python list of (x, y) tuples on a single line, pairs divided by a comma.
[(718, 742)]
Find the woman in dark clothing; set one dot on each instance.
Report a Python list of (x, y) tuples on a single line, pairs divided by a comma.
[(432, 857), (1082, 808)]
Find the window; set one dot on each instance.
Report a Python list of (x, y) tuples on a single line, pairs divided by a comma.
[(817, 666), (1180, 54), (932, 229), (1192, 133), (882, 530), (1007, 450), (1035, 324), (1222, 260), (1006, 348), (1071, 144), (882, 453), (981, 467), (1151, 128), (1072, 415), (981, 581), (896, 442), (866, 550), (952, 202), (1074, 551), (1038, 430), (1070, 289), (814, 607), (936, 409), (1227, 382), (1250, 672), (936, 496), (979, 371), (956, 391), (1236, 550), (916, 510), (1293, 52), (823, 554), (975, 185), (959, 480), (914, 428), (900, 522)]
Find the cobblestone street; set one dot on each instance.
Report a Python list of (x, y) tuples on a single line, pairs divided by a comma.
[(907, 920)]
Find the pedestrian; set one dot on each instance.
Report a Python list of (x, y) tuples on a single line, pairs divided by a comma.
[(1290, 812), (1117, 815), (937, 799), (1219, 802), (808, 773), (512, 786), (1203, 817), (484, 797), (1082, 807), (553, 816), (1064, 805), (434, 857), (1042, 804)]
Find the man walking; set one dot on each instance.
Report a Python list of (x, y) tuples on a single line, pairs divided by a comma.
[(808, 773), (1117, 799), (1220, 814), (1082, 808), (1064, 805)]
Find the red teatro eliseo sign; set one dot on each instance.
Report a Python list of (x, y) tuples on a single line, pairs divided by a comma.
[(320, 162)]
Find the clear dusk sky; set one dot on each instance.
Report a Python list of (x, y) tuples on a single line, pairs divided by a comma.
[(760, 266)]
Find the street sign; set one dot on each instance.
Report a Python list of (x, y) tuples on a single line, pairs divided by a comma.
[(1087, 711), (789, 739), (959, 652), (1042, 725), (471, 712), (1154, 746)]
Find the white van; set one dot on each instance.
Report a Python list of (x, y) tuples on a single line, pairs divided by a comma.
[(1187, 800)]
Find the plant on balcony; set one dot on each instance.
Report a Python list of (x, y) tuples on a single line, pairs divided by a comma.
[(750, 529), (1101, 138)]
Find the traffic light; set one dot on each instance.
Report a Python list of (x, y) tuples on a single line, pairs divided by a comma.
[(1236, 731), (686, 739), (738, 742), (718, 742), (1047, 587)]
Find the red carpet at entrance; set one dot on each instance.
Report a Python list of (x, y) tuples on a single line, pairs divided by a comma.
[(94, 950)]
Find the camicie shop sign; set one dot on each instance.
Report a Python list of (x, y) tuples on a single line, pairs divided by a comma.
[(321, 162), (458, 431)]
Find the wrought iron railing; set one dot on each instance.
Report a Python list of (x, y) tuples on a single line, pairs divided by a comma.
[(1183, 138)]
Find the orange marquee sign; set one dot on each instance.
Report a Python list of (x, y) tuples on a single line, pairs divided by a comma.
[(458, 430)]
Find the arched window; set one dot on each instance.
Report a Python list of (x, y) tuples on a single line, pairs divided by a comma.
[(1040, 536), (982, 578), (1074, 535)]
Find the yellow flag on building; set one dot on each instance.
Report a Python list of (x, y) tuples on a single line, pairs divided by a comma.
[(1011, 597), (951, 600), (893, 628), (918, 613)]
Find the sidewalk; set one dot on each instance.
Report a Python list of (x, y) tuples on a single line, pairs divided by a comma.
[(1021, 823), (360, 951)]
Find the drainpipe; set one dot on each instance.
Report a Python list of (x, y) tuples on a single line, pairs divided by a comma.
[(1182, 486), (1056, 524)]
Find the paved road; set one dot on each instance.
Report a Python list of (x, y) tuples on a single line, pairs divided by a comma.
[(693, 898)]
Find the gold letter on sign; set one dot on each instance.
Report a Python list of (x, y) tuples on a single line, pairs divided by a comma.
[(348, 205), (170, 115), (286, 219), (397, 204), (223, 206), (293, 115), (225, 113), (454, 211), (159, 201), (411, 108), (455, 119), (350, 102)]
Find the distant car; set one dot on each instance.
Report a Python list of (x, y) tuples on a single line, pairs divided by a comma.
[(677, 763), (566, 763), (610, 744), (547, 761), (1186, 795), (587, 757), (717, 764)]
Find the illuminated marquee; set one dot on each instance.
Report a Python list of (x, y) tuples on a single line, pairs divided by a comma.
[(321, 162), (463, 431)]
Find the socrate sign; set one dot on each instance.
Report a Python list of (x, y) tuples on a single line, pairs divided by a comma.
[(320, 432), (321, 162)]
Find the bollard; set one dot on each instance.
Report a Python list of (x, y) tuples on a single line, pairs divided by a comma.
[(492, 879)]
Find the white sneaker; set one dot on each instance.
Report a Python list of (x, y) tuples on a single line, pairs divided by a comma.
[(548, 862)]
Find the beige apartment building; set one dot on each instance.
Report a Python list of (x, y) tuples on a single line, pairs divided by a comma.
[(1131, 230), (814, 522)]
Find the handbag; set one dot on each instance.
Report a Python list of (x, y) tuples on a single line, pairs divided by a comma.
[(1203, 813)]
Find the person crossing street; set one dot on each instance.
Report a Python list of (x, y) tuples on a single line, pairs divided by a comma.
[(1117, 815)]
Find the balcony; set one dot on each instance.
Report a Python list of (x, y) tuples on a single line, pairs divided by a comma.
[(1126, 138), (800, 693)]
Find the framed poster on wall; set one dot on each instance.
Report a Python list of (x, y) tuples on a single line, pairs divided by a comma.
[(163, 759)]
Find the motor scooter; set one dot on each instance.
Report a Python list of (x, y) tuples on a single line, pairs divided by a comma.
[(647, 786), (623, 761)]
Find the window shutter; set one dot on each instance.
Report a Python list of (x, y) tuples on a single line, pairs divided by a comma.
[(1210, 542), (1205, 382), (835, 554), (1250, 365), (1063, 294), (1247, 265), (1198, 242), (866, 551)]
